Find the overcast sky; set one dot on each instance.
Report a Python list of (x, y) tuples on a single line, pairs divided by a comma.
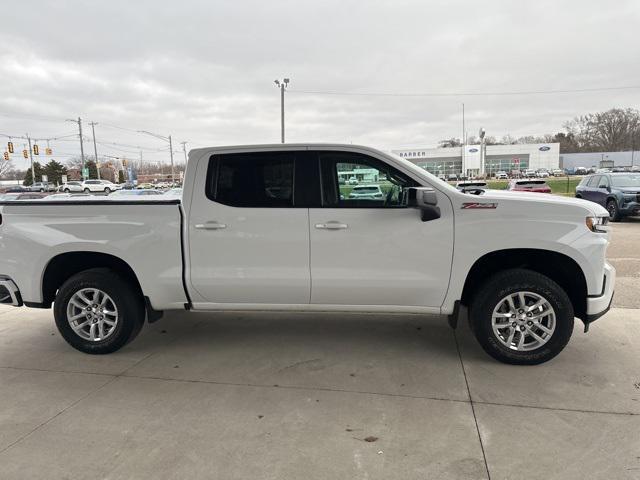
[(203, 71)]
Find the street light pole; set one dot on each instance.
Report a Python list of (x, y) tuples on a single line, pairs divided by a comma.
[(282, 85), (95, 149)]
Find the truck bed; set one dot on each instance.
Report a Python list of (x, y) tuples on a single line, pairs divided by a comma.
[(146, 234)]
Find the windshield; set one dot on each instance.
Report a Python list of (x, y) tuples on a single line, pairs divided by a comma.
[(625, 180)]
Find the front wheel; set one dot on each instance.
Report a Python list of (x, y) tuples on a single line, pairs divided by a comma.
[(522, 317), (98, 311), (614, 211), (107, 191), (86, 190), (66, 190)]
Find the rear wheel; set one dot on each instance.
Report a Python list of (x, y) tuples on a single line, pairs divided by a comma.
[(66, 190), (522, 317), (98, 311), (86, 190), (107, 190), (614, 211)]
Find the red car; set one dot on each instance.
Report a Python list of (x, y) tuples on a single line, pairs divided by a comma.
[(529, 185)]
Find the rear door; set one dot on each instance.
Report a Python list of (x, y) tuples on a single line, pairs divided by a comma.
[(376, 251), (601, 190), (249, 231)]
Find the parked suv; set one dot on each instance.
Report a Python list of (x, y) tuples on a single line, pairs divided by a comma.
[(366, 191), (42, 187), (99, 186), (619, 193)]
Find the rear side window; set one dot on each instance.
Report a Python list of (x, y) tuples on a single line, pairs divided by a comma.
[(593, 181), (258, 180)]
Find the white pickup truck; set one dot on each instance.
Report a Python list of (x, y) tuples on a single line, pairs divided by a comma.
[(271, 227)]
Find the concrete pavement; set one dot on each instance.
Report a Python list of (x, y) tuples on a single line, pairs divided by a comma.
[(322, 397)]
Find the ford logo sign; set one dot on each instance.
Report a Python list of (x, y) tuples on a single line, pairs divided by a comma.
[(544, 149), (473, 150)]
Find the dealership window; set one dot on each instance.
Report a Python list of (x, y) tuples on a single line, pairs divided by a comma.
[(359, 181), (260, 179)]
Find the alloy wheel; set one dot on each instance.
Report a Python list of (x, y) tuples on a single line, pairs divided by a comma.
[(92, 314), (523, 321)]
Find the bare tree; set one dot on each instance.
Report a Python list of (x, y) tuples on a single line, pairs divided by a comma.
[(614, 130), (451, 142), (6, 168)]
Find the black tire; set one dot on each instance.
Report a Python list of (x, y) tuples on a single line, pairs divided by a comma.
[(508, 282), (66, 190), (42, 190), (614, 211), (107, 190), (86, 190), (127, 299)]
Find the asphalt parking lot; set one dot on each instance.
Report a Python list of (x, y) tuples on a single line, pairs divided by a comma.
[(294, 396)]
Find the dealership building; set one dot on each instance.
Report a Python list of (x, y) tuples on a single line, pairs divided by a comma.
[(470, 159)]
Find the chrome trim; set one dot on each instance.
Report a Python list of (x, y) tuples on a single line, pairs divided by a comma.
[(14, 294)]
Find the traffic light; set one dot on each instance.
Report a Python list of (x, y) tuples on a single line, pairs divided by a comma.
[(25, 153), (6, 155), (36, 150), (48, 151), (10, 147)]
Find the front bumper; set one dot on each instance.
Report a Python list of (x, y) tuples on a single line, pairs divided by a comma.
[(598, 305), (9, 292), (630, 208)]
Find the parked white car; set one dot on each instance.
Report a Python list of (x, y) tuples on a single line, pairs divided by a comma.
[(502, 176), (250, 234), (542, 174), (71, 187), (93, 186), (352, 181), (372, 192)]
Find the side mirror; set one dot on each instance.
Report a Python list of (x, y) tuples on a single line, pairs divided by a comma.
[(426, 200)]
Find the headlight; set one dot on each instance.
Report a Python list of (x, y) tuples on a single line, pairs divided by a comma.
[(598, 224)]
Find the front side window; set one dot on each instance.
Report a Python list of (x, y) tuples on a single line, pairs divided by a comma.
[(260, 179), (353, 180)]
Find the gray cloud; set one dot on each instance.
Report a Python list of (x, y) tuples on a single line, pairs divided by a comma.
[(203, 70)]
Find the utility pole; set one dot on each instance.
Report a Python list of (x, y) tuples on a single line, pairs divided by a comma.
[(95, 149), (184, 150), (166, 139), (173, 172), (79, 122), (282, 85), (33, 171)]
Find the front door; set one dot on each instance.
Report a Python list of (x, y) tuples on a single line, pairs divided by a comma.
[(248, 240), (369, 249)]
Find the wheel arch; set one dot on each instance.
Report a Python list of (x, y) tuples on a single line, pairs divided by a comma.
[(561, 268), (63, 266)]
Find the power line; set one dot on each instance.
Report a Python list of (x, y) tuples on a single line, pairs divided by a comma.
[(461, 94)]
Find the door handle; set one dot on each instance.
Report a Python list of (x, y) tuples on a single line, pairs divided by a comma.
[(210, 226), (332, 225)]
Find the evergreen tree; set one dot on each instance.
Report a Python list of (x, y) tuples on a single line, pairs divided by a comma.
[(54, 171), (120, 176), (28, 179)]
